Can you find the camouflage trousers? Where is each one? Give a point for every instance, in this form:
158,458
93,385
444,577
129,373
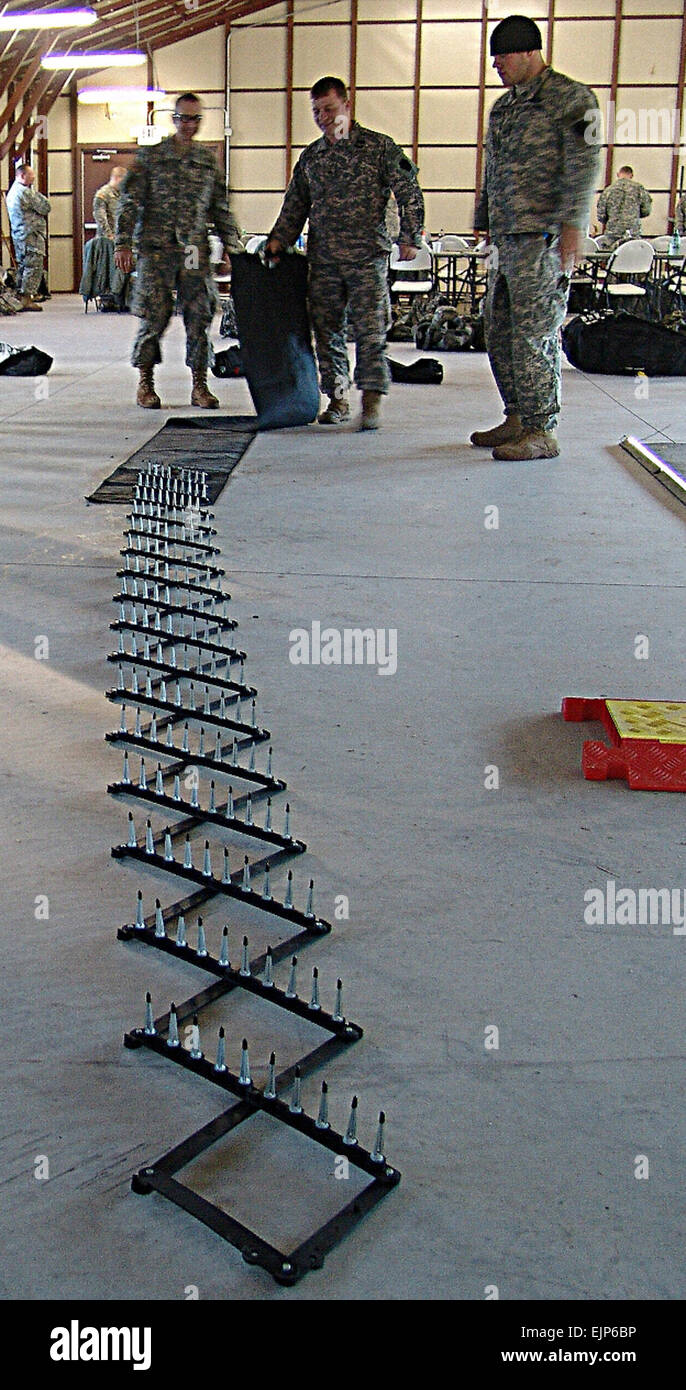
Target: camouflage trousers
355,297
524,309
30,256
159,276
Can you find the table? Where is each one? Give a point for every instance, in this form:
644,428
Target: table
469,280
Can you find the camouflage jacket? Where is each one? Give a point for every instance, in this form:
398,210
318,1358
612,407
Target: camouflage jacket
105,205
622,205
344,189
172,198
541,171
680,220
27,209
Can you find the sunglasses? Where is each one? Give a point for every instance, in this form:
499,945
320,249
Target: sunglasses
187,120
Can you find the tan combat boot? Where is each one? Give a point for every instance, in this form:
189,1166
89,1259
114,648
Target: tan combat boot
29,306
336,411
533,444
371,410
146,394
508,433
201,394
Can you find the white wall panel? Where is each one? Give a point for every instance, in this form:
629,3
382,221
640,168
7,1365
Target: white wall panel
193,64
386,9
390,112
318,52
61,266
256,212
258,58
450,54
59,173
386,54
258,169
60,221
649,50
258,118
447,168
447,116
59,128
449,212
584,51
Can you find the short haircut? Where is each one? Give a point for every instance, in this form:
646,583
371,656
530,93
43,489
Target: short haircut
21,168
187,96
626,169
329,84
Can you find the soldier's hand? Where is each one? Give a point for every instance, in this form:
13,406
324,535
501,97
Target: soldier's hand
274,248
406,252
570,247
123,259
224,265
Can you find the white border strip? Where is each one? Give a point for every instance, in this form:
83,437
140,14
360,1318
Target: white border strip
655,465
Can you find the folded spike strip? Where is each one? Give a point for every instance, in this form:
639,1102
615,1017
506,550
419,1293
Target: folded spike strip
188,676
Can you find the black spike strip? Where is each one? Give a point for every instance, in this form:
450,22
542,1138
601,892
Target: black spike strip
315,925
213,570
159,605
183,760
193,716
197,815
177,639
248,692
203,590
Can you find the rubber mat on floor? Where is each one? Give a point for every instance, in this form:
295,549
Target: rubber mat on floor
213,443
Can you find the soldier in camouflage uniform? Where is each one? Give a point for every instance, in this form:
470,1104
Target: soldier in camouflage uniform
106,202
621,207
342,183
680,218
170,199
535,203
28,209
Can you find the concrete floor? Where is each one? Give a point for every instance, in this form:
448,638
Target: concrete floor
466,904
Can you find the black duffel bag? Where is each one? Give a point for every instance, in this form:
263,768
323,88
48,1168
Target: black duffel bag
621,344
425,371
228,362
23,361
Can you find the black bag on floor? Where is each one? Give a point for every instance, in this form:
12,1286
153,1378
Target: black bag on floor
23,361
274,333
228,362
619,344
425,371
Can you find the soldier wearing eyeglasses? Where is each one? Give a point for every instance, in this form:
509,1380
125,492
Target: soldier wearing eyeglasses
172,197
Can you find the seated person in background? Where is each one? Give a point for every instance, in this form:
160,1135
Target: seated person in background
105,203
621,207
680,217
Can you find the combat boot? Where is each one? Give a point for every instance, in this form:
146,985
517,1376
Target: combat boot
29,306
533,444
146,394
336,411
201,394
509,432
371,410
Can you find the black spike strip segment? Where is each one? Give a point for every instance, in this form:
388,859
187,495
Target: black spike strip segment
270,784
193,716
212,571
199,814
247,692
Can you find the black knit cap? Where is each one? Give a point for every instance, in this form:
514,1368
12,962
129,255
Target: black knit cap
516,34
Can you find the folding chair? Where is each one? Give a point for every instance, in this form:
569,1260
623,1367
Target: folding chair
419,270
627,273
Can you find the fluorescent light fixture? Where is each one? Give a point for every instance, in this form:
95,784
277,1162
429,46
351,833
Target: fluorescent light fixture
94,96
47,19
94,60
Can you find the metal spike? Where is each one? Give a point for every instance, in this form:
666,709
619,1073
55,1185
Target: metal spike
234,753
295,1107
350,1136
212,805
120,679
140,919
322,1120
245,885
191,695
314,997
238,710
159,919
287,823
201,744
245,961
270,1088
168,850
181,930
149,1020
253,713
206,702
187,857
226,872
218,746
220,1064
266,893
149,842
152,732
142,779
248,809
126,775
377,1154
338,1006
268,976
159,783
269,763
185,745
292,990
132,842
224,952
230,813
310,899
176,793
206,861
172,1036
163,690
251,760
194,796
148,687
170,736
120,645
244,1077
159,656
122,722
177,697
268,817
195,1050
288,896
137,726
201,948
